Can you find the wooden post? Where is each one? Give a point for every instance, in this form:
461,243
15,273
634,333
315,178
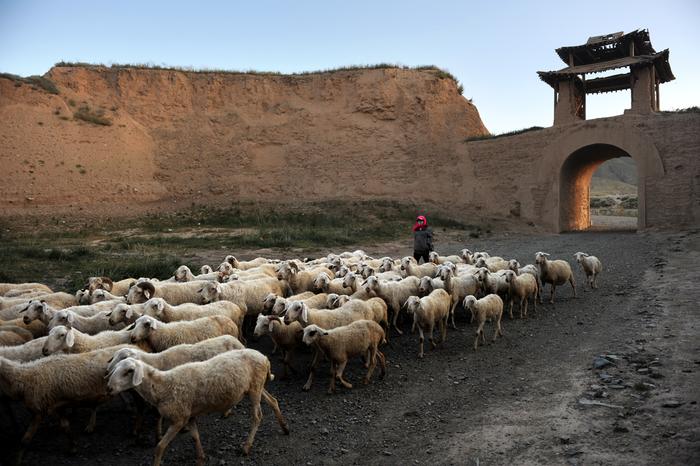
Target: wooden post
632,49
571,59
658,97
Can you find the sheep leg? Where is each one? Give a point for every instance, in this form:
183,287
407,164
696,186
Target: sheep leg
479,331
420,339
331,388
65,427
573,284
314,364
510,310
340,367
174,428
452,312
430,335
288,364
523,301
256,415
28,435
395,317
595,281
551,297
443,328
159,428
373,364
194,432
382,362
272,402
498,329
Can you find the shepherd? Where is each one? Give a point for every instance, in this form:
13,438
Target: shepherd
422,239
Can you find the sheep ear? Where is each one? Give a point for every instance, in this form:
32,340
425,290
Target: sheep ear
129,312
161,306
155,324
218,289
138,375
147,294
71,320
270,325
132,326
585,255
304,313
70,338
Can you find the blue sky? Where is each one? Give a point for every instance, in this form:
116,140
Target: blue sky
494,48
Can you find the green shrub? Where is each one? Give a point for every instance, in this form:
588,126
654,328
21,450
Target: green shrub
96,117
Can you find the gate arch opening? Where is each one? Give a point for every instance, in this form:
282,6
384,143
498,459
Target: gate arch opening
575,182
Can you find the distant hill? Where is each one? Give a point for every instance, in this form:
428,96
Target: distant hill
615,177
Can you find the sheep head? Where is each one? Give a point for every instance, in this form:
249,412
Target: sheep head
60,339
154,307
469,301
143,327
122,312
312,334
296,311
127,374
412,304
210,292
118,357
579,256
433,257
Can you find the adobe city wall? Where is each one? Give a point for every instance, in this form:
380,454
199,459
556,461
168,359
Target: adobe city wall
542,177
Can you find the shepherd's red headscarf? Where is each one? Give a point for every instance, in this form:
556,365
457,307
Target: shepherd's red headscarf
419,226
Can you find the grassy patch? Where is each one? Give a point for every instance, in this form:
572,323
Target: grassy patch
96,117
35,81
443,74
683,110
502,135
155,246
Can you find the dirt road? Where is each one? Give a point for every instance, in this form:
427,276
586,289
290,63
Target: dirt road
530,398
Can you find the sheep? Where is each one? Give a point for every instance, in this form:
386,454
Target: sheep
521,287
533,270
410,267
427,311
159,336
24,294
488,307
161,310
204,387
393,293
29,351
70,340
60,300
492,282
286,337
388,264
249,296
119,288
125,313
354,282
100,296
89,325
324,284
427,284
5,287
177,355
437,259
458,287
205,269
317,301
300,280
11,335
245,265
556,272
47,384
173,293
184,274
271,300
591,266
494,264
360,338
334,301
36,328
466,256
342,271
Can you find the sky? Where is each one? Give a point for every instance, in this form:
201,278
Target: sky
494,48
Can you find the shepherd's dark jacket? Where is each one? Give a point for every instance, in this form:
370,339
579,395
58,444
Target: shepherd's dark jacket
423,240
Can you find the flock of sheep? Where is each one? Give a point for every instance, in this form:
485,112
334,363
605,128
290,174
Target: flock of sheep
178,344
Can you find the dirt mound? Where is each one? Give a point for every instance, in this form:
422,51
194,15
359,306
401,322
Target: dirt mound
126,140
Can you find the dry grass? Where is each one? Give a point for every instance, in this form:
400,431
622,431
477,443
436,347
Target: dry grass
36,82
96,117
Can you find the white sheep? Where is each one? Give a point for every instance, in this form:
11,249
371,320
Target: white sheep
69,340
437,259
161,310
59,300
5,287
394,294
89,325
184,274
48,384
488,307
100,296
556,272
324,284
125,314
205,269
492,282
286,337
360,338
521,287
11,335
591,266
458,287
245,265
173,293
532,269
300,280
249,296
214,385
410,267
29,351
159,336
428,311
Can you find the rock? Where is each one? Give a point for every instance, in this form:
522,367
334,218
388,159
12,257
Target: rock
600,362
672,404
620,428
324,431
564,440
387,453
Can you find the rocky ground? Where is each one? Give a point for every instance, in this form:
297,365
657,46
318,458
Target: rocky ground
610,377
